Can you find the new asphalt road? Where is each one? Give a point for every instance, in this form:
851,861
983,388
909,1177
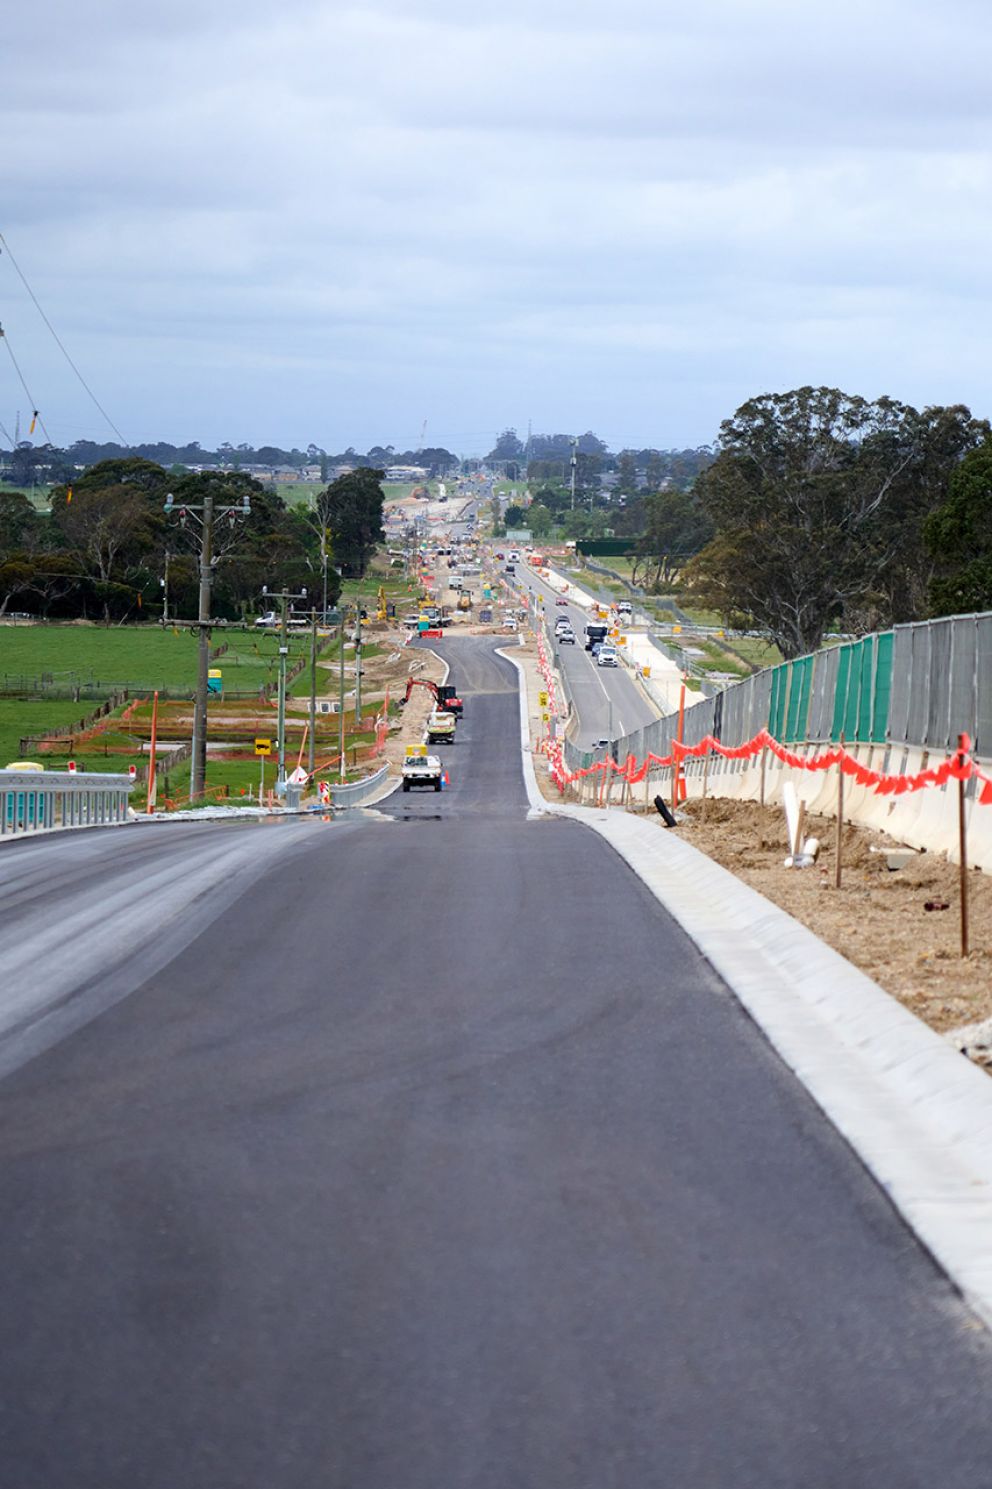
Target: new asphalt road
422,1151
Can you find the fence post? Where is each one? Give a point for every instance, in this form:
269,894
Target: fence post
839,870
764,763
964,744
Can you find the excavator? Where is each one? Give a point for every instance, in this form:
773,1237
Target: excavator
443,694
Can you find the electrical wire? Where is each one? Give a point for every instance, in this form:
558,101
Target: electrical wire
7,435
5,246
34,411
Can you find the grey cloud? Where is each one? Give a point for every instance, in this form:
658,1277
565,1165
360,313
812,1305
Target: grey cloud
648,211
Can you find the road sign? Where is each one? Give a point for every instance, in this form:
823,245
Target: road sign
263,747
542,699
298,777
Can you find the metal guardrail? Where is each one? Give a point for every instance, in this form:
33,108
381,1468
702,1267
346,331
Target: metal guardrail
40,801
358,791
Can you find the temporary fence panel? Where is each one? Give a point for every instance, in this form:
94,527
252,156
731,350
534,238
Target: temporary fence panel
963,696
777,705
983,686
939,691
799,694
866,691
919,694
821,716
838,722
901,683
883,687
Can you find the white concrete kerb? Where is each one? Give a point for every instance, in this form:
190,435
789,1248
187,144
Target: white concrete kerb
918,1114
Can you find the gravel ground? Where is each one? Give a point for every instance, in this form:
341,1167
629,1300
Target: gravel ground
878,919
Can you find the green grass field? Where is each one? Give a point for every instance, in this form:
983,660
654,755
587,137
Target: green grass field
102,658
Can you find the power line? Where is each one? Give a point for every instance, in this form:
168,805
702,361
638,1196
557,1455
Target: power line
27,392
58,341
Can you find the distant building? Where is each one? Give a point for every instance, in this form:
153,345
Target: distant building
407,473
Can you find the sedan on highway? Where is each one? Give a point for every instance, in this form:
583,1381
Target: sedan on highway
561,600
608,656
565,637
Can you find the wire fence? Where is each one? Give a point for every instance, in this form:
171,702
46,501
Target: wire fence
918,685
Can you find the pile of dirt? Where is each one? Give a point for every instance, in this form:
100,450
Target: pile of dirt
900,927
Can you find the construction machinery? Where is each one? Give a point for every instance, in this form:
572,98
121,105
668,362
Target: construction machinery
443,694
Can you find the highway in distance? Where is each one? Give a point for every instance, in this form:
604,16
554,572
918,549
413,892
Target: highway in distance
593,688
420,1149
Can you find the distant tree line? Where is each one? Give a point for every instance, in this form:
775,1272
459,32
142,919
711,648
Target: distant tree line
28,464
105,547
816,511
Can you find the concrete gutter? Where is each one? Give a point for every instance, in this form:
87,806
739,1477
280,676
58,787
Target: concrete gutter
917,1113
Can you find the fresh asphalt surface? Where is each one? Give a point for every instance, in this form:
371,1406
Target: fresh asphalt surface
437,1159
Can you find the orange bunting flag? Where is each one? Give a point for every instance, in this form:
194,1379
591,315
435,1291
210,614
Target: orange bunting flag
34,420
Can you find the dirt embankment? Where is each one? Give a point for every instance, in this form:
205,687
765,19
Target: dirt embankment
900,927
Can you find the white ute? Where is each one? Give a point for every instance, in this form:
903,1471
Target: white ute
421,769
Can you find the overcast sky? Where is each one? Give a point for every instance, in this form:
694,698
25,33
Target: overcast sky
304,222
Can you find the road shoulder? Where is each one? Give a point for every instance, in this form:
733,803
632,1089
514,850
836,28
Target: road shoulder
918,1114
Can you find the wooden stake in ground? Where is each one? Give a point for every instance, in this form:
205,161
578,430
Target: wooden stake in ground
839,870
764,759
964,746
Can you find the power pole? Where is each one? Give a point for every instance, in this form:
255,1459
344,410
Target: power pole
205,515
284,597
358,660
199,781
312,757
341,703
574,462
165,590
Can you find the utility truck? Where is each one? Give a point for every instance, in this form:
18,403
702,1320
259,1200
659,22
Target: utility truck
421,768
440,727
